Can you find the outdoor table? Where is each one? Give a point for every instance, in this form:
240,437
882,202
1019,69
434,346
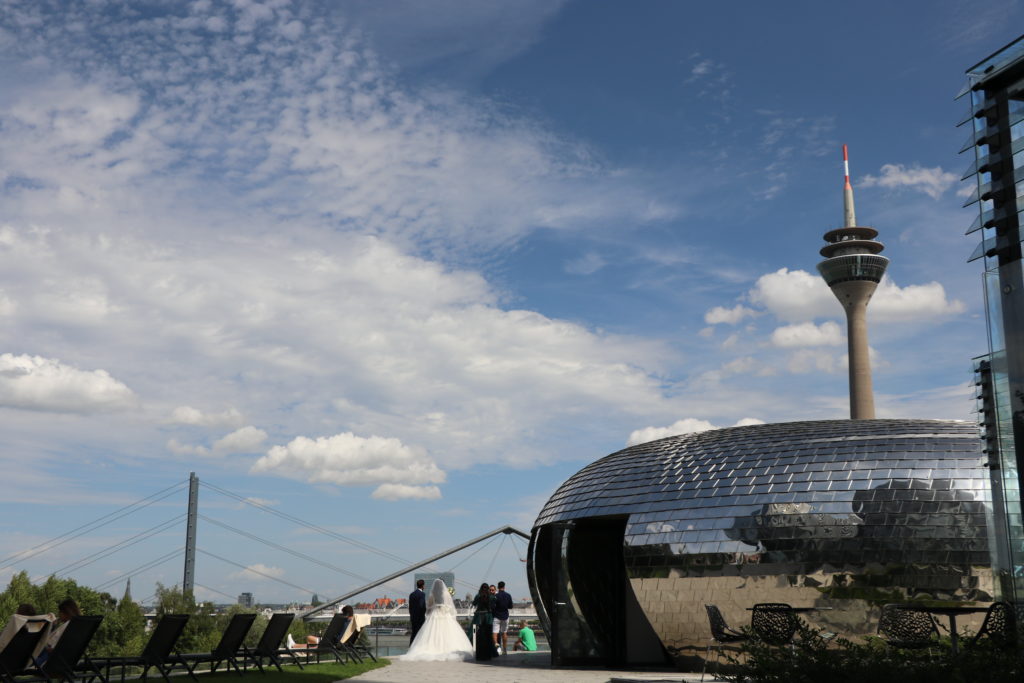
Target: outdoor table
801,610
951,612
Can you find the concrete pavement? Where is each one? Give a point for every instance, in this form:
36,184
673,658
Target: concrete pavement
518,667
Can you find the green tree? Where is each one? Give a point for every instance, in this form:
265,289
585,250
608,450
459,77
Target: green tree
201,632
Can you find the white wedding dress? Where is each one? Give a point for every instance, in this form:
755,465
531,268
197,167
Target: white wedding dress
440,638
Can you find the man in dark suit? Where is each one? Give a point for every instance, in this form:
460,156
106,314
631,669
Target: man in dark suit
417,609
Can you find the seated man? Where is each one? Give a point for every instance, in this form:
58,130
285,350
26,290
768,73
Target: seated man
526,640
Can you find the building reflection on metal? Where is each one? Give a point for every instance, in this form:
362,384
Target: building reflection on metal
848,514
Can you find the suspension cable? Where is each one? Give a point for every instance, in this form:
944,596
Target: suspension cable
111,549
255,571
295,553
56,541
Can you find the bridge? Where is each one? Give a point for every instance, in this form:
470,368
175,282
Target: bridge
164,552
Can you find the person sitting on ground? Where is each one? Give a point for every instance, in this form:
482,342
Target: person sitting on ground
526,640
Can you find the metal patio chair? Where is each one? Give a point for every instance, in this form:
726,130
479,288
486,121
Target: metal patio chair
999,627
721,635
330,642
228,650
353,643
774,623
907,627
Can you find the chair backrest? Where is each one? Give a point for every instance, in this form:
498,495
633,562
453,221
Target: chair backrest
719,629
1000,625
234,635
337,626
774,623
18,653
71,646
907,625
164,638
274,633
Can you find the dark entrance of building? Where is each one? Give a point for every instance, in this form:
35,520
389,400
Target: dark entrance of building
583,594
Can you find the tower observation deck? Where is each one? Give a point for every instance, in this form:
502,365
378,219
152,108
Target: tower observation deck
852,269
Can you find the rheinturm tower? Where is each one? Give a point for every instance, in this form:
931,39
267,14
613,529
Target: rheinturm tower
853,268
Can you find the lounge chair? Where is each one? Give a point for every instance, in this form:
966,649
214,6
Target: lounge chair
352,640
16,657
269,647
159,651
228,650
331,641
68,661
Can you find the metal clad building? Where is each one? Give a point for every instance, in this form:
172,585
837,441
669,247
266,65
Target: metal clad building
848,514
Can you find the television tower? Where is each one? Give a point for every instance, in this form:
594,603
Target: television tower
852,268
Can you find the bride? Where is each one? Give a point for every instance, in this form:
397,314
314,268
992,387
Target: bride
440,638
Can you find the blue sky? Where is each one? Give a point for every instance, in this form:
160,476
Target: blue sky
400,269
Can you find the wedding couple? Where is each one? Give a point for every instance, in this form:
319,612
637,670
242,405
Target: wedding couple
437,635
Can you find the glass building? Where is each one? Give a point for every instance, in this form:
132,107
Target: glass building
995,117
845,514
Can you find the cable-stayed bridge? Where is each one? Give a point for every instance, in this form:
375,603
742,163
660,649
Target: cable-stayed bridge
189,552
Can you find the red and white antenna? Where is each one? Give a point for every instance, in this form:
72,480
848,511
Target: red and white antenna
849,217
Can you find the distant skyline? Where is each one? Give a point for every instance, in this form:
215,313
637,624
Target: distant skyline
400,268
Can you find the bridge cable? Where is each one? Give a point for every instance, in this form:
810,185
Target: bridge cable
141,568
116,547
214,590
295,553
493,559
308,525
256,571
87,527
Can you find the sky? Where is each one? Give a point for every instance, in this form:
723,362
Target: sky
398,269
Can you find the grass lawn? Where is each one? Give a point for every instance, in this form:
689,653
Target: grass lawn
311,673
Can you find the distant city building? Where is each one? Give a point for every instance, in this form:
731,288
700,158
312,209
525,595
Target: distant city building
428,578
995,116
246,600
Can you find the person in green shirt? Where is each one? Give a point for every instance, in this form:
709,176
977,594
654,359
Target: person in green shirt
526,640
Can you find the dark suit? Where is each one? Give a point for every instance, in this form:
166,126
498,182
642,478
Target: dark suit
417,611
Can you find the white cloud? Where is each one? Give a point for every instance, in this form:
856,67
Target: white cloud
728,316
406,492
587,264
794,296
688,425
257,572
815,360
932,181
245,440
891,303
808,334
47,384
347,459
797,296
188,415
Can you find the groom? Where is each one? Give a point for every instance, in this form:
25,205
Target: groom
417,609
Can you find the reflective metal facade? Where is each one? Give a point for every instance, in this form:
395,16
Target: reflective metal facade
848,514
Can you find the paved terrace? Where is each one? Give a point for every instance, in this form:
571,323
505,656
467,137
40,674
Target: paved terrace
518,667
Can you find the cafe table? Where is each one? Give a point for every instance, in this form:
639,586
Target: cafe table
952,613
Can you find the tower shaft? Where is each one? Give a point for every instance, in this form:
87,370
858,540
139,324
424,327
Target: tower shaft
854,296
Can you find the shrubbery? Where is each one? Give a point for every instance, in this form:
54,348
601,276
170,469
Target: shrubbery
123,631
815,660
